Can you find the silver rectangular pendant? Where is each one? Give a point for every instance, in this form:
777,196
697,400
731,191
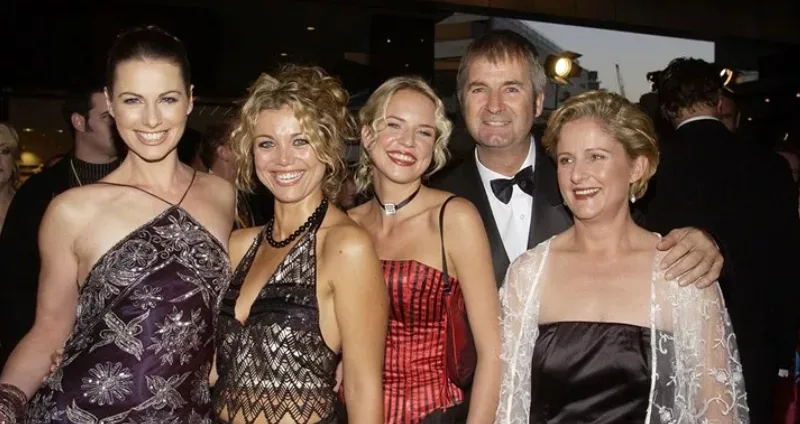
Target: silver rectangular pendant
389,209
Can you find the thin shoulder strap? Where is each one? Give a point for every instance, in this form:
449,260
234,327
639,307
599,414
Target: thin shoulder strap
446,276
137,188
194,174
191,183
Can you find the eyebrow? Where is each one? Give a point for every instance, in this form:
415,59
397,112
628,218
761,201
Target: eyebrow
128,93
270,136
403,120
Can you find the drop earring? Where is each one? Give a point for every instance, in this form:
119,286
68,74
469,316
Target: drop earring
633,198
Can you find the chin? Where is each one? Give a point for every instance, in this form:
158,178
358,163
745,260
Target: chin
152,153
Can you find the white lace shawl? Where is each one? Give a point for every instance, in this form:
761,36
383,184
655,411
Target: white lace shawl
696,376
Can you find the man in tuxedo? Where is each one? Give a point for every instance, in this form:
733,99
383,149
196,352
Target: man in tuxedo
745,196
512,181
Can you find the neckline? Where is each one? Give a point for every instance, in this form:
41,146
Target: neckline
127,237
420,263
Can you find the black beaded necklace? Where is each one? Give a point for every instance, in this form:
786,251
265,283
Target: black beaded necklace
312,220
392,208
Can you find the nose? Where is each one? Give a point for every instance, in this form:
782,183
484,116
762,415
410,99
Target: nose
495,102
407,138
578,173
284,156
152,116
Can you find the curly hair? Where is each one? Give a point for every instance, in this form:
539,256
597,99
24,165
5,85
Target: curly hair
318,101
620,118
373,116
10,134
687,83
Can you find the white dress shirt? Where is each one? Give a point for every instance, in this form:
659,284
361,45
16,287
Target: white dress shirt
697,118
513,220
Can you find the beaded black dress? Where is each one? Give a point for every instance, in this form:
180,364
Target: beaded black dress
142,346
277,365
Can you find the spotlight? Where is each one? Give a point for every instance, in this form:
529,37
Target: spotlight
562,67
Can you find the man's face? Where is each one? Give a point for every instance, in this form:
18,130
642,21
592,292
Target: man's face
97,129
499,103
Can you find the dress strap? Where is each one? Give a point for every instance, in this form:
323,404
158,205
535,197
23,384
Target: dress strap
445,276
194,174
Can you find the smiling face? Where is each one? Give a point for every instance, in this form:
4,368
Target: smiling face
499,103
150,104
594,171
285,162
402,149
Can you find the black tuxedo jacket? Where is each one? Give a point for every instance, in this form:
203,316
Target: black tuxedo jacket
548,217
743,195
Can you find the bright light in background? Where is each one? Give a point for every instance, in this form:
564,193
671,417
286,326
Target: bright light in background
636,54
563,66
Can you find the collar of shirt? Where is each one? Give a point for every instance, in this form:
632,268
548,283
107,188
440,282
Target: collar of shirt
487,175
697,118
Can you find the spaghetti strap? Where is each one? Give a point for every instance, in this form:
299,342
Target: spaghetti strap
191,183
194,174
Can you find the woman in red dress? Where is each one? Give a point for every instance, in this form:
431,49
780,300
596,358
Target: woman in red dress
429,242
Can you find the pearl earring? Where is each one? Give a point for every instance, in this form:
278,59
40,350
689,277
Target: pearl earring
633,198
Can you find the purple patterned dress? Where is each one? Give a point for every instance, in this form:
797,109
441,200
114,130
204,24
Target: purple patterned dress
142,346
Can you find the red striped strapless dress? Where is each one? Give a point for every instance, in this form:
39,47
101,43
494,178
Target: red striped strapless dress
415,379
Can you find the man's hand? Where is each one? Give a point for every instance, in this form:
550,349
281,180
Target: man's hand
692,257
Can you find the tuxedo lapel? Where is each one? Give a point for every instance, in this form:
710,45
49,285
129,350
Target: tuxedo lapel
475,193
549,215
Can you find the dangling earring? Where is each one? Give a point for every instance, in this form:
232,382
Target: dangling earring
633,198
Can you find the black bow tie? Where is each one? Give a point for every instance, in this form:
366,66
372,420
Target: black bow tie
503,188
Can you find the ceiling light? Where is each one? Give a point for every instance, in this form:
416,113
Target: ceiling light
766,99
388,40
59,131
310,28
27,130
284,54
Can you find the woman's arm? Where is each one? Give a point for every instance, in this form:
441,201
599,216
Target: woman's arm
362,314
467,247
721,396
57,300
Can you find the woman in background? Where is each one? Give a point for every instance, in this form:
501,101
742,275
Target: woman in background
9,168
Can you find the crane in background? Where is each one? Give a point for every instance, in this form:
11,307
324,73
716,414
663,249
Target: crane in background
619,82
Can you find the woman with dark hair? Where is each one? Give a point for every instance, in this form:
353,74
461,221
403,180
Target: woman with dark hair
132,267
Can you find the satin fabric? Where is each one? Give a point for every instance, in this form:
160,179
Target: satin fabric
589,372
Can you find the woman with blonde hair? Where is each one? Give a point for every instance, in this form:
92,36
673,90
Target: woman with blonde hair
9,168
432,246
592,331
307,286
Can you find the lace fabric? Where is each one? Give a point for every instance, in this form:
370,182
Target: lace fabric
696,375
276,364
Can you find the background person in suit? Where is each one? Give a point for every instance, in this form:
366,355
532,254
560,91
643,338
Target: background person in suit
745,196
511,180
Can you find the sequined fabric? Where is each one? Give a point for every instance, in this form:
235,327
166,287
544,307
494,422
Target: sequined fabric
277,364
415,381
141,349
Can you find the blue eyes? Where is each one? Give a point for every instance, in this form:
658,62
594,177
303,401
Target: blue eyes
298,142
133,100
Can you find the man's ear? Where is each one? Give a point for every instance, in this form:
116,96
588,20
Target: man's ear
78,122
224,152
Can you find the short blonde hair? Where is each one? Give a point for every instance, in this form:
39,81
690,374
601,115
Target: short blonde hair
373,116
319,102
623,120
8,132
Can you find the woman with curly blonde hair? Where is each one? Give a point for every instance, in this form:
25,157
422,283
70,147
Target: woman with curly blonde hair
431,245
9,168
307,287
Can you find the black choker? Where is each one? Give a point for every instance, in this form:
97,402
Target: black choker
314,219
392,208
